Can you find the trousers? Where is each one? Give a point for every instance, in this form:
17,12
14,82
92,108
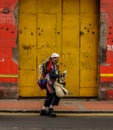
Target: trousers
51,99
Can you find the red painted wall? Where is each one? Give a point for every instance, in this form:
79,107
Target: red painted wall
107,10
8,37
8,42
106,83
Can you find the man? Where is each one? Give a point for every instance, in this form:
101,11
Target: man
51,75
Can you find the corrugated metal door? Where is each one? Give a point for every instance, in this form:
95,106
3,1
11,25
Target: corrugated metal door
69,27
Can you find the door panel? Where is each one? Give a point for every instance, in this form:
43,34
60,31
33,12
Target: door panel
27,48
27,77
88,48
71,6
27,6
49,6
46,38
27,41
28,91
48,31
89,7
70,45
27,83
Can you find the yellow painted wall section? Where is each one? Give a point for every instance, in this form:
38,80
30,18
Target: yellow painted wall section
27,48
39,36
70,44
48,31
68,27
88,48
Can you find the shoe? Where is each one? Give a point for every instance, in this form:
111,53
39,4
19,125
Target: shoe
51,113
43,113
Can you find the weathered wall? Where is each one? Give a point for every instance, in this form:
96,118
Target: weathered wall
9,49
106,50
8,45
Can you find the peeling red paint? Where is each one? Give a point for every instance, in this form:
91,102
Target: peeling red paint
8,36
7,17
109,94
107,6
107,10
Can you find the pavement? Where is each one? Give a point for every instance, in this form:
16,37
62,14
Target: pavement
65,105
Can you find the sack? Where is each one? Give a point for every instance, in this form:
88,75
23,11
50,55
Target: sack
43,69
60,90
42,83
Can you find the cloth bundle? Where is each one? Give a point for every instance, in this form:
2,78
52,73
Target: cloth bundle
61,91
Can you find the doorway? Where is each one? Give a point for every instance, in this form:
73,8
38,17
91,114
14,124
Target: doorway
68,27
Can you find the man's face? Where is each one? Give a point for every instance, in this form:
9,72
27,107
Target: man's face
55,59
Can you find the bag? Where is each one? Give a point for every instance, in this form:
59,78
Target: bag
42,83
45,67
43,70
60,90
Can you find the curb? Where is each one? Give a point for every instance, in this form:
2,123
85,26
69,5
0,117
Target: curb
63,112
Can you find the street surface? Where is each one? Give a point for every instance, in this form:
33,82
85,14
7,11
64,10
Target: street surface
61,122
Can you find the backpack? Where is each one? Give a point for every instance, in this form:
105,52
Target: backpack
44,68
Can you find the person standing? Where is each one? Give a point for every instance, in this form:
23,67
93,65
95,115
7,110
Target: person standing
51,98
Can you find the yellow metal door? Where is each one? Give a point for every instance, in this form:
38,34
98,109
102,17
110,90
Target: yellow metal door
79,46
48,31
70,44
88,47
27,48
68,27
39,36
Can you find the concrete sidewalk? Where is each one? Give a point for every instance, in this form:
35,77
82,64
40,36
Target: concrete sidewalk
65,106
